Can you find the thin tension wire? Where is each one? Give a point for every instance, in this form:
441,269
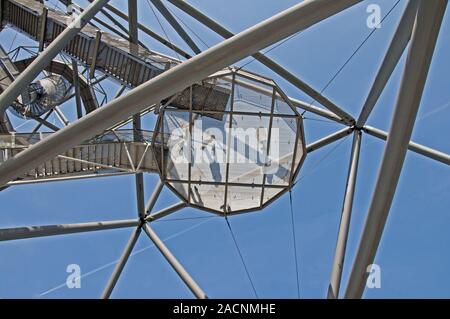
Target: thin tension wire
294,239
242,258
355,52
189,28
320,161
271,49
162,27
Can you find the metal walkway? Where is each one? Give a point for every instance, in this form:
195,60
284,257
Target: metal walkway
131,64
113,152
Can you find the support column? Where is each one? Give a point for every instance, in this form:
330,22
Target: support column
94,53
137,124
133,21
65,229
176,26
76,84
43,28
344,225
423,42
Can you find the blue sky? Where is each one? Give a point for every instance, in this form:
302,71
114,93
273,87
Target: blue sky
412,255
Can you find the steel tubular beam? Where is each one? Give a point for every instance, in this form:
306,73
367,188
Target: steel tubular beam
121,263
275,67
393,54
166,211
423,41
46,56
134,41
344,225
76,85
184,275
329,139
1,14
414,147
43,28
139,181
94,54
176,26
133,21
55,230
280,26
154,197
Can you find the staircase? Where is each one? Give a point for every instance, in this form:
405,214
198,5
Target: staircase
108,154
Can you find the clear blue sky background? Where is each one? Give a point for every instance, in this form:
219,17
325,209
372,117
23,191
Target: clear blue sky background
413,254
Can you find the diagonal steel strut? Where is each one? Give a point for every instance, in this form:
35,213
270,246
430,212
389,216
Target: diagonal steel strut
184,275
393,54
121,263
425,34
344,225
